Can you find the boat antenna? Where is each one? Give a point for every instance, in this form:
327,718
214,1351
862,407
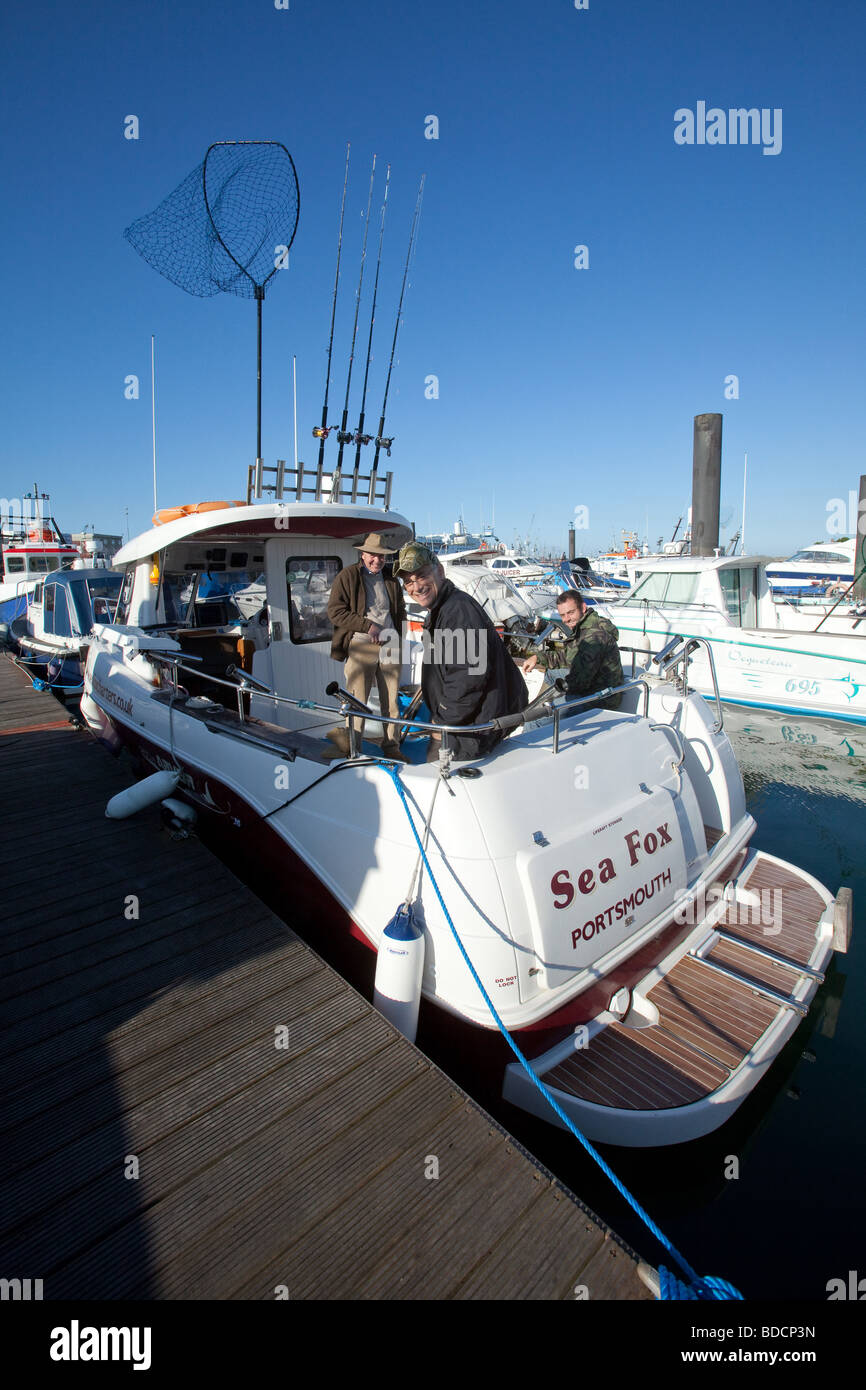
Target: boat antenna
381,442
343,436
322,432
743,527
360,437
153,415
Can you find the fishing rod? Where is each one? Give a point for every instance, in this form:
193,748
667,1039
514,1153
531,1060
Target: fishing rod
321,432
343,435
381,442
361,437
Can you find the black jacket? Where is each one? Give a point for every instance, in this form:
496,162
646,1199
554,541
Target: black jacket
468,676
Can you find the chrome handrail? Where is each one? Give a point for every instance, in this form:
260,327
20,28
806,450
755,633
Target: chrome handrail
249,685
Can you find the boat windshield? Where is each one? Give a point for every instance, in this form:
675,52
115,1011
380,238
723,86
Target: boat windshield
94,599
664,586
821,557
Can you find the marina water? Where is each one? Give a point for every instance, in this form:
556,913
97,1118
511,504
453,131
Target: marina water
774,1200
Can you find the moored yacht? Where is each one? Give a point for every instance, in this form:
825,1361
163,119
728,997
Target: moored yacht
766,652
596,866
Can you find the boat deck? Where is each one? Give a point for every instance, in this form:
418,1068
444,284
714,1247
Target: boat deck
708,1022
166,1139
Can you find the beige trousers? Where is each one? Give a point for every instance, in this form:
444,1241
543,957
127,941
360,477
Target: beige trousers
363,666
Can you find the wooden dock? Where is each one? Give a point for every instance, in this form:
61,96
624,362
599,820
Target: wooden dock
195,1106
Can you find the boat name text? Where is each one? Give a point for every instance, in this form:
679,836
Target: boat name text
561,885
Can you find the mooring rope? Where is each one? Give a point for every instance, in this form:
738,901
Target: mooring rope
709,1287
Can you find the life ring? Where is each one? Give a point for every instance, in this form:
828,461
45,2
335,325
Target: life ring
191,509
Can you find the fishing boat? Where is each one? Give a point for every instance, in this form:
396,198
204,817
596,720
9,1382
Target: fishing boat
31,546
53,634
596,868
767,653
519,568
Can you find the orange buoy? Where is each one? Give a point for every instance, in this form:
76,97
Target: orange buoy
40,533
191,509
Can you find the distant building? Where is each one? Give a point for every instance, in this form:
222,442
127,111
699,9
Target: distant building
102,545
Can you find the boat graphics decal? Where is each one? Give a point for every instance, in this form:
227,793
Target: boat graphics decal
112,698
189,782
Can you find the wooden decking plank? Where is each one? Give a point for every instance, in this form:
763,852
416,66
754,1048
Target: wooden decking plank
399,1197
142,1054
325,1188
91,916
203,1235
432,1243
758,968
254,928
134,978
86,967
174,1130
177,1064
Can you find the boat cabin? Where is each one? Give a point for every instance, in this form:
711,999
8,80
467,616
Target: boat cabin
180,578
68,602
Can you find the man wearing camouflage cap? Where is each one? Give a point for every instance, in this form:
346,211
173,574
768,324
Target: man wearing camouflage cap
468,676
591,652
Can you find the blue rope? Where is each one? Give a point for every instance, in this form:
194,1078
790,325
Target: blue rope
697,1288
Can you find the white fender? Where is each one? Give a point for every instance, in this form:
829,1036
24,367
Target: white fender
141,794
399,967
180,810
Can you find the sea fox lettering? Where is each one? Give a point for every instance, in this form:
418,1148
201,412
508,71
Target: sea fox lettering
561,885
651,842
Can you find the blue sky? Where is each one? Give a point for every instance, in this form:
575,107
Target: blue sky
558,387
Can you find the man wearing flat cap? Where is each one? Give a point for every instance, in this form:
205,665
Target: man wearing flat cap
468,676
366,609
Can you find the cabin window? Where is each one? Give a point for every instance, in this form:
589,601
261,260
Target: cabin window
650,589
308,581
14,564
681,588
56,611
665,586
739,591
122,613
176,592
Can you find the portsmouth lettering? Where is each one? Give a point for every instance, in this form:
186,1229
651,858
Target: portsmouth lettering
617,911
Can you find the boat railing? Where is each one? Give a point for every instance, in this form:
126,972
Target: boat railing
301,483
243,685
678,652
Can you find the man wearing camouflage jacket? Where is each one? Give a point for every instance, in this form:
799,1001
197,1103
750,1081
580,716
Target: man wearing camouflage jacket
591,652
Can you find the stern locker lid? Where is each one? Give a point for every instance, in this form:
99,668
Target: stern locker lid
594,887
